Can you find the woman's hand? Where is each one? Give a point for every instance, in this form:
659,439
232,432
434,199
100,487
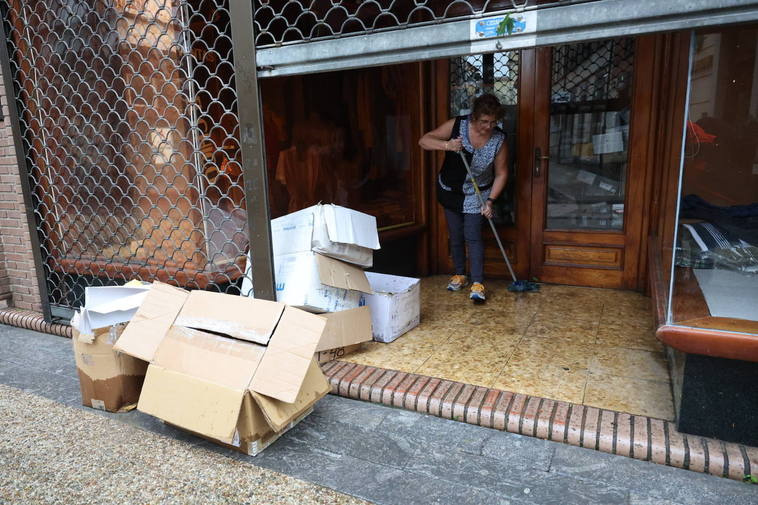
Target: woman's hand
454,144
487,210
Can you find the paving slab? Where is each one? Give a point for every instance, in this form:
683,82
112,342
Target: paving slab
346,447
651,481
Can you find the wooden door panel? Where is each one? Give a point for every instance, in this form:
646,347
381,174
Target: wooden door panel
585,256
584,237
582,276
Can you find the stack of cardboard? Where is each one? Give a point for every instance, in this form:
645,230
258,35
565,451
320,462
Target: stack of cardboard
319,256
235,370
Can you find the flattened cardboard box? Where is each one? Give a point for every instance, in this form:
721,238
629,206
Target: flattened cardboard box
344,333
345,328
108,380
220,387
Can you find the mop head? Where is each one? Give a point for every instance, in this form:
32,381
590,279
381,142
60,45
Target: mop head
523,286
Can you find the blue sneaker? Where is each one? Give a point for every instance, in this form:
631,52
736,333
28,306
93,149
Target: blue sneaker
457,282
477,293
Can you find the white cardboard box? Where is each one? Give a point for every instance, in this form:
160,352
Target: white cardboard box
317,283
331,230
395,305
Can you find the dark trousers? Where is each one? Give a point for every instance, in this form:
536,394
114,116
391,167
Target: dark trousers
465,230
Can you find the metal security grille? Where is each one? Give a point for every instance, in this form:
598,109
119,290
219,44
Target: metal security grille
287,21
590,114
470,76
128,114
592,71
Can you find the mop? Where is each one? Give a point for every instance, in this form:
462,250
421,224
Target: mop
516,286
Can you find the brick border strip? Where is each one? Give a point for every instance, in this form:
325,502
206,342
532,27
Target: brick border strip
639,437
32,321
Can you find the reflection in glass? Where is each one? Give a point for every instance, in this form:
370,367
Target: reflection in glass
716,261
347,138
589,134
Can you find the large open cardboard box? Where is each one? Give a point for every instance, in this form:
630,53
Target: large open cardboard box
230,368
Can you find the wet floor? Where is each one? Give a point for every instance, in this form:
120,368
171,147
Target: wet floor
582,345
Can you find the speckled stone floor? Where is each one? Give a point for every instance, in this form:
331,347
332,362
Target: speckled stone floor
51,453
589,346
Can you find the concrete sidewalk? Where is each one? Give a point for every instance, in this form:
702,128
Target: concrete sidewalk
52,450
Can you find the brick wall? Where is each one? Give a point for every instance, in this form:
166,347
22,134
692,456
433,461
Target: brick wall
18,280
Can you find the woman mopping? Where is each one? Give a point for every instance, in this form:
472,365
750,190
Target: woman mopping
476,133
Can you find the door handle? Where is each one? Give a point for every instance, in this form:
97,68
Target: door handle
538,159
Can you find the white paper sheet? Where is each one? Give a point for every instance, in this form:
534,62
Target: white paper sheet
728,293
108,305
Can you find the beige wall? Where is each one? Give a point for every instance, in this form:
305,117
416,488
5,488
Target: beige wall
18,280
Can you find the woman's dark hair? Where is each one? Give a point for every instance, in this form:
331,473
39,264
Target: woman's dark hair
487,105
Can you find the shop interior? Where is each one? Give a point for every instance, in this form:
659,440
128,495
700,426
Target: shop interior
588,337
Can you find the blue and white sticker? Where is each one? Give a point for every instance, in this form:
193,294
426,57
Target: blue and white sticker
486,28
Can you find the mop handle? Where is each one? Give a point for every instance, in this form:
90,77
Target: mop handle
489,220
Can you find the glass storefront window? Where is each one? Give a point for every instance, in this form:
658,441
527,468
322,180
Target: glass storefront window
715,274
348,138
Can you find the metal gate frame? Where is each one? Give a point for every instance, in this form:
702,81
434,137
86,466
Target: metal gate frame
24,172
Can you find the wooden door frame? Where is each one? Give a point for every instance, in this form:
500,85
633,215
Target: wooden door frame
630,243
515,238
620,250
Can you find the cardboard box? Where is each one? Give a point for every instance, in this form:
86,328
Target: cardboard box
227,389
345,328
331,230
344,333
338,353
108,380
317,283
254,447
395,305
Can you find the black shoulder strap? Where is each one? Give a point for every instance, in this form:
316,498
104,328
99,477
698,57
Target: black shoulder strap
456,128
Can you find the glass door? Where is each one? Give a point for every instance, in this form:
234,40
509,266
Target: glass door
509,75
581,162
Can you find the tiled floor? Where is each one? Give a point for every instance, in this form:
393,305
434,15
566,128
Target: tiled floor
581,345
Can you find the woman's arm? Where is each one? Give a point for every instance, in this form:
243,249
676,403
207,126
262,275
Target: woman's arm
501,177
437,139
